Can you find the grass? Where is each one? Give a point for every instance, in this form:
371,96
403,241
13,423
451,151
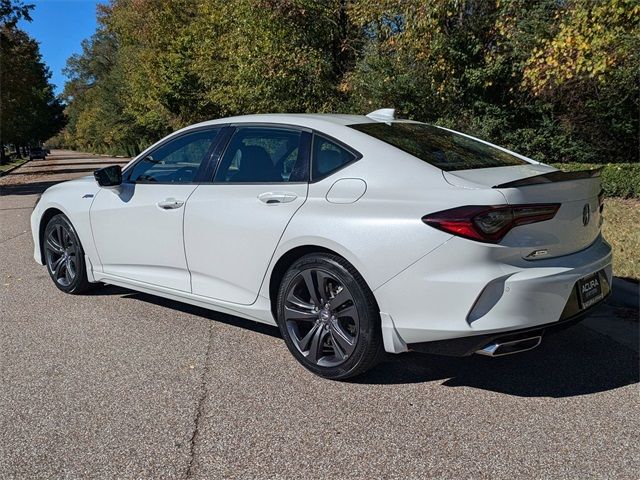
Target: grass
13,163
622,230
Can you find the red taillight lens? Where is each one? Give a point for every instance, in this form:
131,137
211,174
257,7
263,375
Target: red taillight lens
489,224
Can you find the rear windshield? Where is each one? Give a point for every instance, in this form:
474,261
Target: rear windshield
443,149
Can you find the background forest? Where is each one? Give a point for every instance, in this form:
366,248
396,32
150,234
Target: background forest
555,80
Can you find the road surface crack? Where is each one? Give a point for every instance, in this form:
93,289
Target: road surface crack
201,404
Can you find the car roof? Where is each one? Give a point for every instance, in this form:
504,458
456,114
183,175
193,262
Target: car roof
310,120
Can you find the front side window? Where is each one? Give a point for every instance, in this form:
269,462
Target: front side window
177,161
328,156
441,148
263,155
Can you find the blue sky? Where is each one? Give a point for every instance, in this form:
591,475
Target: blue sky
60,26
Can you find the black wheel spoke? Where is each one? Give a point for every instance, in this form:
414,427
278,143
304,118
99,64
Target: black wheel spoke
341,339
291,313
60,235
297,302
55,266
67,273
71,267
53,245
340,299
349,312
305,342
310,280
315,349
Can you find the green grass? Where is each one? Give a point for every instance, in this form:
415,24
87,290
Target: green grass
622,230
14,163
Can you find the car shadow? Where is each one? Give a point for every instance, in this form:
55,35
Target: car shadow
575,361
26,188
191,309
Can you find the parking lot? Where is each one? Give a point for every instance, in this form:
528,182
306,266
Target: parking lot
121,384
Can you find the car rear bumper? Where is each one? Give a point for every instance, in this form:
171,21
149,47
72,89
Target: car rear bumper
466,289
464,346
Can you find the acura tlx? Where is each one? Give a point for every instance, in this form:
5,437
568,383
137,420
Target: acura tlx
355,235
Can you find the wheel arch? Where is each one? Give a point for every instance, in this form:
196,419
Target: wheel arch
289,258
47,215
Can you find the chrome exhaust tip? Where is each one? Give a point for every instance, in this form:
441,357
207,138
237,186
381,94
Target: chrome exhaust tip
499,348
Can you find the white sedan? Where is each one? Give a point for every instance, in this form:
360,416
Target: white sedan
355,235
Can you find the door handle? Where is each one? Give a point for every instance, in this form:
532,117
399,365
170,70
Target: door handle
277,197
170,204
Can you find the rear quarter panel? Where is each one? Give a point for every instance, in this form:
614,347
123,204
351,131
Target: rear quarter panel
382,233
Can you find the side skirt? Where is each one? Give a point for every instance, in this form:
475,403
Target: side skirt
260,311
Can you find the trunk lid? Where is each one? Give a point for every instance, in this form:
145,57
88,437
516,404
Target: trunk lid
575,226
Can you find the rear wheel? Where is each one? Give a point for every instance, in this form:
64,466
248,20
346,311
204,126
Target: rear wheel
64,256
328,317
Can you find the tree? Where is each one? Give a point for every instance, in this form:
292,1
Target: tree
29,111
511,71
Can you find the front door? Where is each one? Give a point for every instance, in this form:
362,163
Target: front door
138,228
233,226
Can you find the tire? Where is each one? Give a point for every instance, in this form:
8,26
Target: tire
64,256
333,331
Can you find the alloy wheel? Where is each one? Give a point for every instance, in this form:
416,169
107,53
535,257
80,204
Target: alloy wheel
62,250
321,317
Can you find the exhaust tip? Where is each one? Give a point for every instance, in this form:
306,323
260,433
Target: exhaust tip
500,348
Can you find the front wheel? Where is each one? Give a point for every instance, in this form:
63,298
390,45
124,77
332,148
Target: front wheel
328,317
64,256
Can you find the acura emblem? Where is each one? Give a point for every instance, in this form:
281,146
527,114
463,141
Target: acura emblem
586,215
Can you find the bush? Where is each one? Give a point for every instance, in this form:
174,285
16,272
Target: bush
618,179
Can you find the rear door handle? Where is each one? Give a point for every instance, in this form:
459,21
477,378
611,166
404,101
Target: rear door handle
277,197
170,204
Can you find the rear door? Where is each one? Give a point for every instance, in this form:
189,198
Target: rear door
233,225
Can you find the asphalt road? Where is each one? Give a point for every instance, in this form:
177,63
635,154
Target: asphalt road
121,384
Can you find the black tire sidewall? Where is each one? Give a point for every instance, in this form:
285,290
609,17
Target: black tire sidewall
80,283
369,338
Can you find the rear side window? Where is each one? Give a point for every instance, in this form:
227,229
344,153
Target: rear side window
263,155
443,149
328,157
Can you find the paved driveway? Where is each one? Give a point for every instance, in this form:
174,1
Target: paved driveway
121,384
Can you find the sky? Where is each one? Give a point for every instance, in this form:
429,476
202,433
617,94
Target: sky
60,26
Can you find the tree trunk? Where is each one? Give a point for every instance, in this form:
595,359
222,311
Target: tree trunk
3,157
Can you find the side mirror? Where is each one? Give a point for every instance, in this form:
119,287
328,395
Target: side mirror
108,176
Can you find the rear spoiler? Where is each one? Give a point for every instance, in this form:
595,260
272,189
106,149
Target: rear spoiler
552,177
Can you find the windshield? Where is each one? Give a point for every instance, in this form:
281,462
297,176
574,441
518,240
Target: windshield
441,148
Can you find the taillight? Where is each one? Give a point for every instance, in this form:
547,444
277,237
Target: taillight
489,224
